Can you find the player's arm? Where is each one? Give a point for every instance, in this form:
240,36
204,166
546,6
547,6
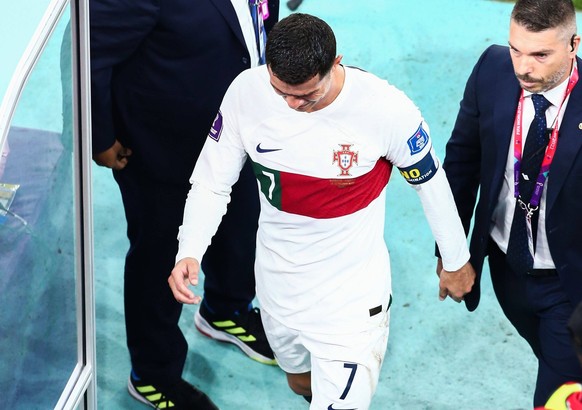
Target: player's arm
203,212
216,171
457,277
418,164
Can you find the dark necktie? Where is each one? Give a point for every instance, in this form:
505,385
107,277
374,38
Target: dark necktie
518,255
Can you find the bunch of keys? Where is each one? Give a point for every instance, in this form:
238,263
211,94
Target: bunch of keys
528,209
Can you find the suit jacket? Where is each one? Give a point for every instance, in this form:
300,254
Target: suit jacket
159,71
475,162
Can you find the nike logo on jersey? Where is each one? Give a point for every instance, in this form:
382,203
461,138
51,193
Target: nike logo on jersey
264,150
333,408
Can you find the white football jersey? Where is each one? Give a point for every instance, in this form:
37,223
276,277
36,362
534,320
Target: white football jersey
321,261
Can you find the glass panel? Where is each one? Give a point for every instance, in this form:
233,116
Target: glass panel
18,21
38,329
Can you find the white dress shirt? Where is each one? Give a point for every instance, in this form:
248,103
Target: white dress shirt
246,24
503,213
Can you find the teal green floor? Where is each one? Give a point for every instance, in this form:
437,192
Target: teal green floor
439,356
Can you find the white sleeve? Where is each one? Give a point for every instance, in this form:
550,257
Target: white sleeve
442,216
411,150
202,215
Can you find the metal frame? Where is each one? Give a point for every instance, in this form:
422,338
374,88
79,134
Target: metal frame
81,389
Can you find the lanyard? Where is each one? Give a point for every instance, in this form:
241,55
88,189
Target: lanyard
549,155
259,13
263,5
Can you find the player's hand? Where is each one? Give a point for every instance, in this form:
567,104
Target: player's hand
115,157
185,273
455,284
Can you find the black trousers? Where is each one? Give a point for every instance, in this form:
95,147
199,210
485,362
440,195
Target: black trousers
539,309
154,211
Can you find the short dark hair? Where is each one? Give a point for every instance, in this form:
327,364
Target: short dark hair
299,47
540,15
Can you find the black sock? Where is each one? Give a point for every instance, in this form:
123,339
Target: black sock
307,398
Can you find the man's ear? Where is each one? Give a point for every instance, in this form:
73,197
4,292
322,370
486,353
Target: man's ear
574,43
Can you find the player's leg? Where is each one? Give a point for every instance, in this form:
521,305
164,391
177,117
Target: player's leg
291,355
300,383
345,368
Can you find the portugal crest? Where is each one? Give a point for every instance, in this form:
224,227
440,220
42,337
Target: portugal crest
345,159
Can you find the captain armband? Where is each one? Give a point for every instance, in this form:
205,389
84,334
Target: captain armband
420,172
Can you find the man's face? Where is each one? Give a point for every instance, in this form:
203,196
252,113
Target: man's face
541,60
310,96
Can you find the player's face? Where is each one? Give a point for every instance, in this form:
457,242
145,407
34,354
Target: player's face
541,60
306,97
314,94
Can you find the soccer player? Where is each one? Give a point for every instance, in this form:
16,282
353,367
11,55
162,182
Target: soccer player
323,139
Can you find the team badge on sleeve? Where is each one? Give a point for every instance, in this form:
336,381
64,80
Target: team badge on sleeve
418,141
420,172
216,128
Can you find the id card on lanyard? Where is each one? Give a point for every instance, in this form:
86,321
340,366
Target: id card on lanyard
534,202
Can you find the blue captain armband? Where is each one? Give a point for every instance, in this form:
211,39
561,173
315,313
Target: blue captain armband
420,172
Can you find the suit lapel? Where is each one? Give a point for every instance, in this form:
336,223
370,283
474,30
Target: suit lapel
227,10
569,144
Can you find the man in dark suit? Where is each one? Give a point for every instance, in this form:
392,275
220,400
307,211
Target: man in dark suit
532,238
159,72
